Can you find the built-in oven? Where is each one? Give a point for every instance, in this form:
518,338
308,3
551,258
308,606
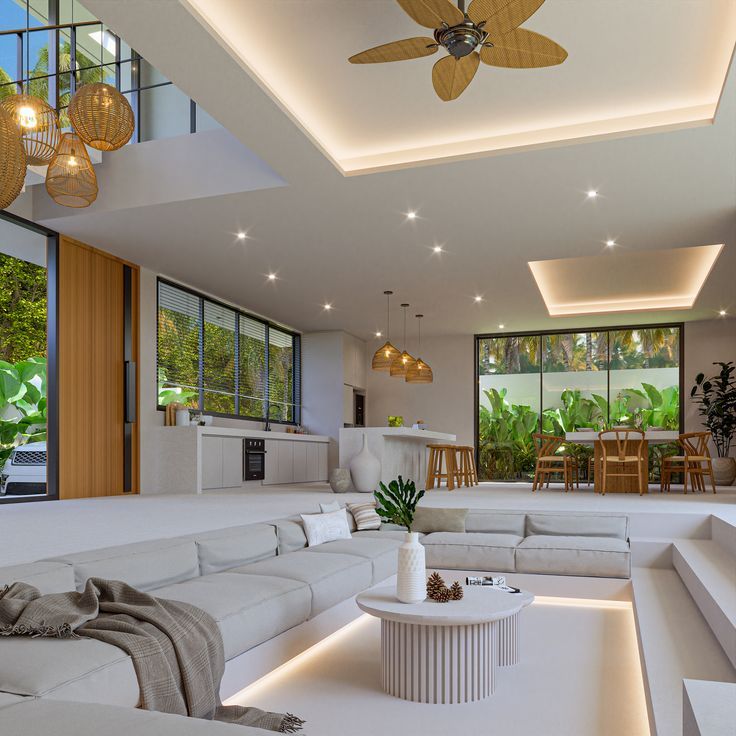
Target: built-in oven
254,459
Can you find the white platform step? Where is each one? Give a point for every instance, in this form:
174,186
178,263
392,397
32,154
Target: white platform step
675,644
709,708
724,532
708,570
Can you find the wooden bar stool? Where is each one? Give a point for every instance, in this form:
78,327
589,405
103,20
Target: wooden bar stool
441,466
466,473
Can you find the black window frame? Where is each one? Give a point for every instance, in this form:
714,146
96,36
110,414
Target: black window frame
541,334
296,358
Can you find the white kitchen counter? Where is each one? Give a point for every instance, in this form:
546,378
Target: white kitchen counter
254,433
401,450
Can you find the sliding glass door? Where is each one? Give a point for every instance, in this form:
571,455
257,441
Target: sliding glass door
558,382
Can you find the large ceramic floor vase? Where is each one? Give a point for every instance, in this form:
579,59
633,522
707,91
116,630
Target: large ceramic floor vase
724,470
365,469
411,575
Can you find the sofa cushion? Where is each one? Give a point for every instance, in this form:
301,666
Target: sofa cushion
332,578
85,670
290,533
496,522
399,536
471,551
249,609
48,577
427,520
584,525
144,565
601,557
239,545
43,717
381,552
9,699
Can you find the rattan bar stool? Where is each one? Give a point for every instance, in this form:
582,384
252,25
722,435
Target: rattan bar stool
441,466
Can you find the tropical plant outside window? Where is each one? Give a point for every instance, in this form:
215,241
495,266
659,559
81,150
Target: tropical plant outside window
222,361
562,382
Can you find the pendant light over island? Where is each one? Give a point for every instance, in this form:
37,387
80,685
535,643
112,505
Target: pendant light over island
387,353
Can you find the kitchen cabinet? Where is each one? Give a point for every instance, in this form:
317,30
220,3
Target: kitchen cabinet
300,462
347,405
353,361
285,464
222,462
272,462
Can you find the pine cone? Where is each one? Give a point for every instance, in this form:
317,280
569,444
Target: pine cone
456,591
443,596
434,585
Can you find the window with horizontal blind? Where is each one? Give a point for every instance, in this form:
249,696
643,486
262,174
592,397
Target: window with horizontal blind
223,361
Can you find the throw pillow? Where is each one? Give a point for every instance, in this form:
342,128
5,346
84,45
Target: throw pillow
321,528
365,516
428,520
325,508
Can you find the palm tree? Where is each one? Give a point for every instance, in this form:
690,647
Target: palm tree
7,87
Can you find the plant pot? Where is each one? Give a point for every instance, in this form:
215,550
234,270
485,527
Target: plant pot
411,576
365,469
724,470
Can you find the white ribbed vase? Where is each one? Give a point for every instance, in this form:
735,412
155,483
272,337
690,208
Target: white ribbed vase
411,576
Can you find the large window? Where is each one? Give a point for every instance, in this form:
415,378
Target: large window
223,361
560,382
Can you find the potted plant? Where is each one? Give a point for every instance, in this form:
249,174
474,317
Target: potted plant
396,503
716,401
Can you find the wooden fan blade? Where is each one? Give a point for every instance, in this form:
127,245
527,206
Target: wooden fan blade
450,76
432,13
522,49
408,48
502,16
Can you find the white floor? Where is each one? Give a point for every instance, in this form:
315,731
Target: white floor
37,530
580,676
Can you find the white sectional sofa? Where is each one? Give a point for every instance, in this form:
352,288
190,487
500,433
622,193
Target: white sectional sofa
258,581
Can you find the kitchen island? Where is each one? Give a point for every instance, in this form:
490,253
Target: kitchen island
400,450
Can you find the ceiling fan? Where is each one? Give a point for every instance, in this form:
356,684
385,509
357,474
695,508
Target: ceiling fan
492,26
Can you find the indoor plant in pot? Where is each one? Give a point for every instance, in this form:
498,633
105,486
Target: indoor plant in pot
396,504
716,401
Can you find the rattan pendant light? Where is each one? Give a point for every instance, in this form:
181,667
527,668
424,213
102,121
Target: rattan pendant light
12,160
70,178
38,126
387,353
101,116
419,371
404,361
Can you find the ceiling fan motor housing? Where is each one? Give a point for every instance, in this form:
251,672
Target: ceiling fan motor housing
462,39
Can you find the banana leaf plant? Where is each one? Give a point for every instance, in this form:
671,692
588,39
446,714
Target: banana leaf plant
397,502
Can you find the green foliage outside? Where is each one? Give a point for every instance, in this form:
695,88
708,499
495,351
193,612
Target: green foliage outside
397,502
505,443
178,360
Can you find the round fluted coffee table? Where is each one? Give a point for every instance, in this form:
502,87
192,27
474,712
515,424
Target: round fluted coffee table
443,652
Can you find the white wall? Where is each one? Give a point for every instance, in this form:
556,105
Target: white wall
706,342
445,405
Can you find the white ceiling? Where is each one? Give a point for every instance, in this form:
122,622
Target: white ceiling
632,65
343,240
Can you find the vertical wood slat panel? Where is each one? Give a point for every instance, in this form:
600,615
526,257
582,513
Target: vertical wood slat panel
91,413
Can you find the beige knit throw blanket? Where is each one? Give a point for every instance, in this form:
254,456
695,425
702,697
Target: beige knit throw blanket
176,648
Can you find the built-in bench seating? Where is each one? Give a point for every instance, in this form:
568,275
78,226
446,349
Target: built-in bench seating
261,580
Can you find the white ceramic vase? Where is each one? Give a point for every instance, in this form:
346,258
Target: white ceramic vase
365,469
411,577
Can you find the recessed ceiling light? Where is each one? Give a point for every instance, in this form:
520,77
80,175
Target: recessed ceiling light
327,307
610,243
378,334
411,215
500,327
478,299
592,193
242,235
437,249
722,312
272,277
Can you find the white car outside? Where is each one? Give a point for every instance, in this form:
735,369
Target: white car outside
24,472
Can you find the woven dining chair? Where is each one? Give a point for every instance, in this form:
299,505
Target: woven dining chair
549,462
629,444
694,462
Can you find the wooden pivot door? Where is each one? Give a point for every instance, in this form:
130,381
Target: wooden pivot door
98,448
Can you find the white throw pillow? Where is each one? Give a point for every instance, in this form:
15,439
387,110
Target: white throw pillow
365,516
321,528
325,508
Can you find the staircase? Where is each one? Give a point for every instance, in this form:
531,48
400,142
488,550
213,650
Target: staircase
684,594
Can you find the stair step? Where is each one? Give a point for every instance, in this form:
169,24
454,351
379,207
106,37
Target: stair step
675,644
724,532
708,570
709,708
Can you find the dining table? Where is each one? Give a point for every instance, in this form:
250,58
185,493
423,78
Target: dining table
619,484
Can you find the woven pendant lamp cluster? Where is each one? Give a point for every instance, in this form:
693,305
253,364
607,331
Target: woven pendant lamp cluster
419,371
12,160
101,116
387,353
70,178
37,124
402,362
